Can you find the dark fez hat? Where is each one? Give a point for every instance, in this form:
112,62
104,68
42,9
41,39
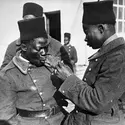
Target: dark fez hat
32,28
67,35
98,12
32,9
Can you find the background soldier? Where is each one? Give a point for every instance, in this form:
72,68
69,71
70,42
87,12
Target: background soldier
71,50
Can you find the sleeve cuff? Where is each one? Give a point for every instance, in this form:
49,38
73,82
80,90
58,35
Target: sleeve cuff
68,84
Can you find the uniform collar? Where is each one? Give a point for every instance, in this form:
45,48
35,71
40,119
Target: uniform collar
110,39
21,63
25,60
108,47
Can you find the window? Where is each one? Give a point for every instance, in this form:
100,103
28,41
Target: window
119,10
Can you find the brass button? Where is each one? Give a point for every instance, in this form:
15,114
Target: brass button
46,117
41,93
84,79
90,69
63,91
44,104
96,60
34,80
33,88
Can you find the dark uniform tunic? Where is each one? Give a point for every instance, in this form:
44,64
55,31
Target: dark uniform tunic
96,97
24,86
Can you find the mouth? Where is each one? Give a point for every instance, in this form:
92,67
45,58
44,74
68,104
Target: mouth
88,44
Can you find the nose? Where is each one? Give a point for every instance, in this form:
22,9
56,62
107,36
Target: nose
86,39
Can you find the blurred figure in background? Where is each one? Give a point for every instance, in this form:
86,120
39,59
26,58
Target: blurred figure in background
71,50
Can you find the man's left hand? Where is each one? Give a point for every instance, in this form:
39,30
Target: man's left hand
52,61
63,71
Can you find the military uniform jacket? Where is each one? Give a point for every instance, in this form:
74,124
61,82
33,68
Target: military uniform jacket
27,87
103,84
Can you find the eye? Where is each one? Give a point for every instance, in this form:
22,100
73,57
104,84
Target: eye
86,31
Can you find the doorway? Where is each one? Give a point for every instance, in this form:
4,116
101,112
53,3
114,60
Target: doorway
53,24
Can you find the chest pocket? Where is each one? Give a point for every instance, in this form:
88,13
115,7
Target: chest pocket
92,71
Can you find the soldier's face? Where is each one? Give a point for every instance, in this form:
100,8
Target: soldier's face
36,51
94,36
66,40
30,16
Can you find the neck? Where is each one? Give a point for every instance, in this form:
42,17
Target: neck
23,58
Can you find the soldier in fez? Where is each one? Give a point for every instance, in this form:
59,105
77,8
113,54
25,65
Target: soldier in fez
97,96
71,50
26,89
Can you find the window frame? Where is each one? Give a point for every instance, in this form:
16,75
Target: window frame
120,29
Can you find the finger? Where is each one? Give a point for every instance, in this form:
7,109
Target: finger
55,71
58,68
60,64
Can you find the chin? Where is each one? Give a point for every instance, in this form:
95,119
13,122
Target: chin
89,45
94,48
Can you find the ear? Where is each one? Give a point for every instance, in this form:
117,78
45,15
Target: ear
101,28
23,47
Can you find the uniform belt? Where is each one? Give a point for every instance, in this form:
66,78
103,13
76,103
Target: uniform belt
41,113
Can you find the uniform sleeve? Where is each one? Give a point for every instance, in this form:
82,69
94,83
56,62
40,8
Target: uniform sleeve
108,87
65,57
74,57
9,54
7,99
